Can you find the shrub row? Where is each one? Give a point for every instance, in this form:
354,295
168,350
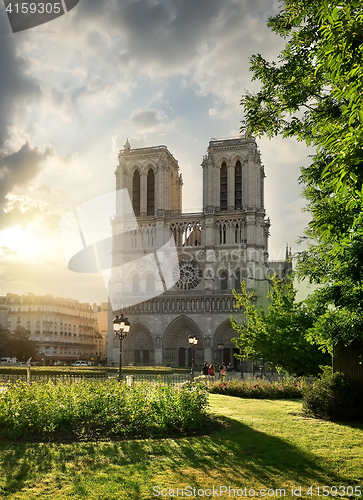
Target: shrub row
100,408
261,389
334,397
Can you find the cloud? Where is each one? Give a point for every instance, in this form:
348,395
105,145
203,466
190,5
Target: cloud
17,169
25,209
17,87
150,119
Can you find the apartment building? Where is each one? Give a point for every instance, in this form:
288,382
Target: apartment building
64,330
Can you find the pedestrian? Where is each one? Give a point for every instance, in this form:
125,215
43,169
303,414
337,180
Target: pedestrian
204,372
211,373
223,371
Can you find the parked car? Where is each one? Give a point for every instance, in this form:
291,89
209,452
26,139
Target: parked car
8,360
80,363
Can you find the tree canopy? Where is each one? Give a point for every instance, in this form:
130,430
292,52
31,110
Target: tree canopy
278,336
314,92
19,345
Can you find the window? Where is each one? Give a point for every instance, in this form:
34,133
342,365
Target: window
238,233
237,280
223,183
224,281
150,192
150,283
222,235
136,192
135,284
238,185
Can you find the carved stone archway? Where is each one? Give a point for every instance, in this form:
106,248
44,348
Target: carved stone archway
176,348
138,346
225,333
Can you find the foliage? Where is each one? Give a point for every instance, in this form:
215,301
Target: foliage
289,388
340,294
100,408
333,397
315,94
19,344
278,336
4,333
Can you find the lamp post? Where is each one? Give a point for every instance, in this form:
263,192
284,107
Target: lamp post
260,365
193,341
121,327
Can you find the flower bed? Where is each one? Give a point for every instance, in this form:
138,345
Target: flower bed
261,389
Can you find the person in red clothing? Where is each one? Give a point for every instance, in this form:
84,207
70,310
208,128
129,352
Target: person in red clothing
211,373
223,371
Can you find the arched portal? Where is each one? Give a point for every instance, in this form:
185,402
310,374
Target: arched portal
138,347
176,348
225,333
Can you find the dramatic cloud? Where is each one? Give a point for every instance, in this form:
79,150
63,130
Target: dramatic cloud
17,87
20,167
17,169
155,71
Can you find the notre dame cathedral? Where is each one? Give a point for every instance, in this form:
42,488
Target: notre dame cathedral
188,289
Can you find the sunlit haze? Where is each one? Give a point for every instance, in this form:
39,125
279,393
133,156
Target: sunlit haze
158,73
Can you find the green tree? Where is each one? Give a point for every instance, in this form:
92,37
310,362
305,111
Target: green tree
315,93
19,344
278,336
4,334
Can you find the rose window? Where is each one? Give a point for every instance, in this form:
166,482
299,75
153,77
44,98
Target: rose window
189,274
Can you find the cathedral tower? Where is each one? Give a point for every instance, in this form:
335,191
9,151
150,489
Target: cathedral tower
152,178
216,250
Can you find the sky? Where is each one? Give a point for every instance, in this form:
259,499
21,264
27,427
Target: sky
158,72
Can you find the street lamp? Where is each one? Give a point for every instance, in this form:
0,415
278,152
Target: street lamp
121,327
193,341
260,365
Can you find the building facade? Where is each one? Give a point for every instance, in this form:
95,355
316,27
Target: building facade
101,326
216,250
63,329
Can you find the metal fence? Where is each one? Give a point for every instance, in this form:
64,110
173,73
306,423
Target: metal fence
174,379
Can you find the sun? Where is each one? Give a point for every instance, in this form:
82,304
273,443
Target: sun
23,242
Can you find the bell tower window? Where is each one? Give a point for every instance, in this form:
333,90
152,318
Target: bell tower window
150,192
238,185
223,185
136,192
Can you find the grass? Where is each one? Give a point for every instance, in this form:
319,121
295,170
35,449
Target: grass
93,370
263,444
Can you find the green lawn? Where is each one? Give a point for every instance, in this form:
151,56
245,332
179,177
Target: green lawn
264,444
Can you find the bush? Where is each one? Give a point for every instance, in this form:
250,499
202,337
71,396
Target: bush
261,389
105,408
333,397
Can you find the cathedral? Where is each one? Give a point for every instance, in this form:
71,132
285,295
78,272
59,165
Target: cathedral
187,289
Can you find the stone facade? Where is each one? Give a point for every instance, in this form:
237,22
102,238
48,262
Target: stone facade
217,249
63,329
